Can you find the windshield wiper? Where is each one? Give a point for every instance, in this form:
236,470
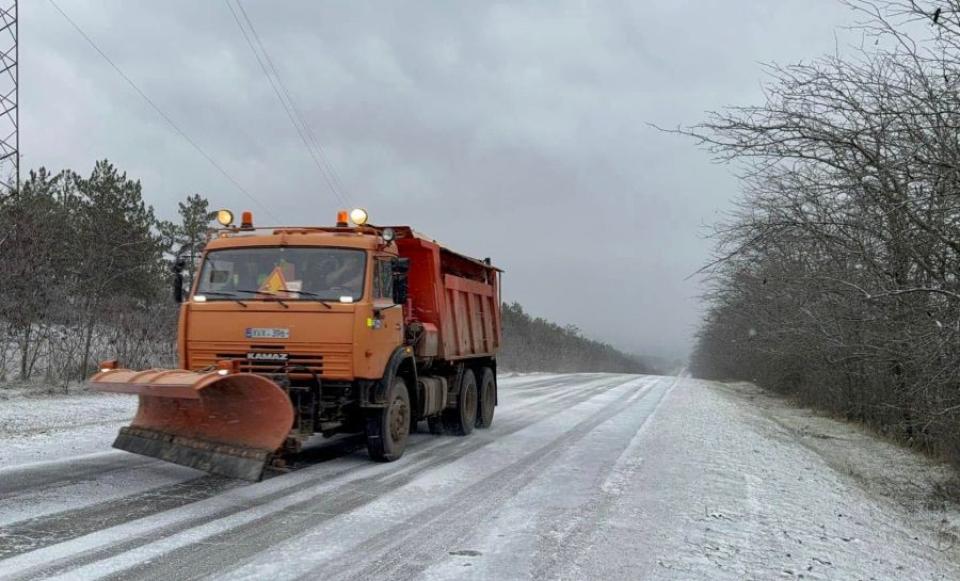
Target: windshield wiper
314,295
224,294
300,292
265,292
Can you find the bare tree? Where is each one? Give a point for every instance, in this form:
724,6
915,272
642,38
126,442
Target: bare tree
836,278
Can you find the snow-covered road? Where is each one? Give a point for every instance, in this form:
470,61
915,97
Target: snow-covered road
589,476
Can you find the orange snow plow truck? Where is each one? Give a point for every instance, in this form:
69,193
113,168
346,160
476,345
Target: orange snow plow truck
288,332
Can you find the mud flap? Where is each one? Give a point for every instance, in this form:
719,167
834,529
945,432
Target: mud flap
225,424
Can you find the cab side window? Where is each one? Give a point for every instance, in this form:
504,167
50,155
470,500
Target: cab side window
383,279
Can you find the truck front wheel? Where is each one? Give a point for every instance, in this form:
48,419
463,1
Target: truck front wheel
461,419
387,429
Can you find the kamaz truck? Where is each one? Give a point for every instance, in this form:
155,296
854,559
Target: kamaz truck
288,332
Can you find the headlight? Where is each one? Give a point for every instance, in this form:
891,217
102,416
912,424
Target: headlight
225,217
358,216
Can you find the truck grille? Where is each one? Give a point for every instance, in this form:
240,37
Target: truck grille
295,362
329,361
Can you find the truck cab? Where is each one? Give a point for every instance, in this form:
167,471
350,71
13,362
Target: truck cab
317,304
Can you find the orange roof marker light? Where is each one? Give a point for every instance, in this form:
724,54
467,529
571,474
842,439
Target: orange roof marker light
342,219
246,220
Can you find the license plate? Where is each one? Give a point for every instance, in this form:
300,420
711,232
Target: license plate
267,333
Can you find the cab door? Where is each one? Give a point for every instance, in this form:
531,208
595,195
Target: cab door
386,323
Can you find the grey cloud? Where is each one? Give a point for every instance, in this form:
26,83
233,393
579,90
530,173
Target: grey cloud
512,130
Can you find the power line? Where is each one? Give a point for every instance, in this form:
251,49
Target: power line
283,95
314,148
163,115
319,146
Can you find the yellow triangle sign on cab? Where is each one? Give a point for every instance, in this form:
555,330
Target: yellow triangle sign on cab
275,283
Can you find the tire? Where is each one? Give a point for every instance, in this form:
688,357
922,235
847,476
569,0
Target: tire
487,392
463,418
387,429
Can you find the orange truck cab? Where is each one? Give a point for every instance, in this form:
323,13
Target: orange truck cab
294,331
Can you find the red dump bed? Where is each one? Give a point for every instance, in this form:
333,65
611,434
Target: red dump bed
456,298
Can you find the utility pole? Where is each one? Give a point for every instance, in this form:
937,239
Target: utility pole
9,98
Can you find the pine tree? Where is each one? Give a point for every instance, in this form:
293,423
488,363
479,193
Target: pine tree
187,239
118,251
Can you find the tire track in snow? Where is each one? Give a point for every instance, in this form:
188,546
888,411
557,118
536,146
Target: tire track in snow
460,514
26,535
576,391
33,477
549,385
195,561
550,563
31,534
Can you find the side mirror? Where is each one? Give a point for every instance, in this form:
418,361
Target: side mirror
401,268
178,267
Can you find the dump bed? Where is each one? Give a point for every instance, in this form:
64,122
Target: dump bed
454,297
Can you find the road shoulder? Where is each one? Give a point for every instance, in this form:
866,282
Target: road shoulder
916,483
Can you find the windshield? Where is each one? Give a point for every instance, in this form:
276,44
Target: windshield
334,274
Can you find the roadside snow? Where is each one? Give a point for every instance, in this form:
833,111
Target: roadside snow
922,487
718,496
42,428
39,432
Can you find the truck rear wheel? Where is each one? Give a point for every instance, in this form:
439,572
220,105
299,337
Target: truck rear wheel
461,419
387,429
488,398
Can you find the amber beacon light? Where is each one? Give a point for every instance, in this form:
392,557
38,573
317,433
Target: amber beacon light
246,219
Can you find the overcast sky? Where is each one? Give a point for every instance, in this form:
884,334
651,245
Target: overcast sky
512,130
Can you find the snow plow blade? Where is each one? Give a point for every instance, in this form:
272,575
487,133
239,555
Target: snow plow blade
225,424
